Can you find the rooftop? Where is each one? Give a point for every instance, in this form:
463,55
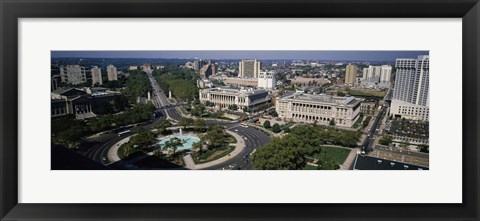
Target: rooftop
348,101
373,163
227,90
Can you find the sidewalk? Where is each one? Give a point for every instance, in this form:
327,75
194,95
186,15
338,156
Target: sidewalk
190,164
112,152
350,159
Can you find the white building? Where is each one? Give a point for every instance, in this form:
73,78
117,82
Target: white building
223,97
411,92
310,108
385,74
249,68
266,80
112,73
73,74
377,75
96,75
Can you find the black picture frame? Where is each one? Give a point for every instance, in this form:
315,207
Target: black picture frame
12,10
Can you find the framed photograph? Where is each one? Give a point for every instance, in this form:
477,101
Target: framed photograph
239,110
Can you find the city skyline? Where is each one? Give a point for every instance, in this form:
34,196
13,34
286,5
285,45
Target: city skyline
246,54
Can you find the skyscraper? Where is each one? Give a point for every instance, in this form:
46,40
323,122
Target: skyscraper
411,92
249,68
351,74
377,74
112,73
73,74
385,74
96,76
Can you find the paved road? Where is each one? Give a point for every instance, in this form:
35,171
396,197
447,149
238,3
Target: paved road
253,138
368,143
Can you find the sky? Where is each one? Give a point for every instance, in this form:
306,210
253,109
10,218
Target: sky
265,55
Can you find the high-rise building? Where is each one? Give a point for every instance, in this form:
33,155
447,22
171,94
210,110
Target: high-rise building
411,92
73,74
249,68
112,73
351,74
96,75
377,74
266,80
385,74
198,64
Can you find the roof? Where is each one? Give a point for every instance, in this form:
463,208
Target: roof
372,163
300,96
68,91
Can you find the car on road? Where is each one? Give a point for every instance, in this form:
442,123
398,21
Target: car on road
236,130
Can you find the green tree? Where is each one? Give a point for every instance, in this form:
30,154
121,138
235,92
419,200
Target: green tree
215,136
200,124
276,128
266,124
198,110
332,122
143,139
385,140
173,144
185,122
162,126
424,148
274,114
198,146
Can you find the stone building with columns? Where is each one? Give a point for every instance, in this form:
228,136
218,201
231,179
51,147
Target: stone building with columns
310,108
71,101
223,97
79,102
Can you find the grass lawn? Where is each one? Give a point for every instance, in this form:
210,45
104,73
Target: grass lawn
182,109
336,154
211,155
357,123
121,151
230,139
367,93
310,167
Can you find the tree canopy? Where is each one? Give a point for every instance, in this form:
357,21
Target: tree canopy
290,151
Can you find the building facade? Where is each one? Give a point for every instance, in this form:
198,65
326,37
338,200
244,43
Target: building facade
301,81
249,68
112,73
351,74
410,98
80,103
266,80
224,97
73,74
96,75
377,75
240,82
322,109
